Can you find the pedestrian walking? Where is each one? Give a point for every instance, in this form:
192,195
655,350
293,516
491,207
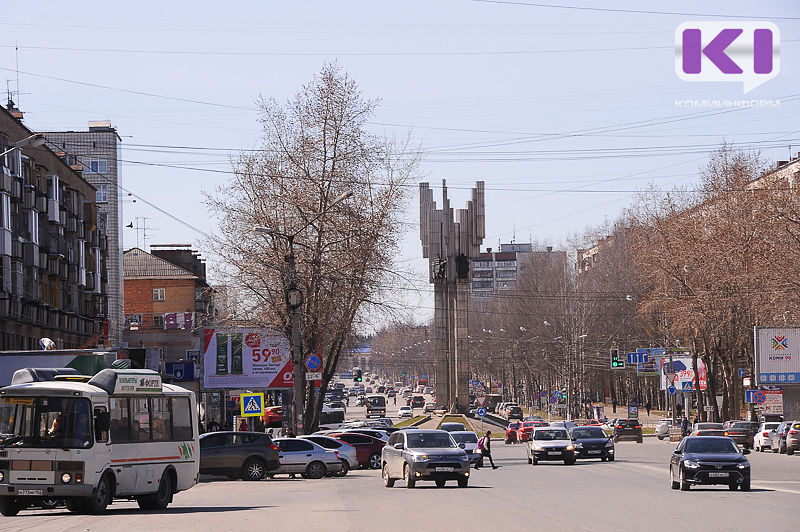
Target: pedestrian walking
648,405
685,427
485,445
394,398
614,405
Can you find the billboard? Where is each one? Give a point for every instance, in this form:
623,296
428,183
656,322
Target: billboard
684,371
237,358
777,351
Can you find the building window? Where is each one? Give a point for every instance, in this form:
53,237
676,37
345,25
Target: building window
158,322
102,194
159,294
95,166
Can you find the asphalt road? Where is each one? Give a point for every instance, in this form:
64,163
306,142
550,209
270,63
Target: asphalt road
631,493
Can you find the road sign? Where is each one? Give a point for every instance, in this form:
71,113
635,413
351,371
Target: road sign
313,363
709,408
671,377
553,400
754,396
481,400
499,384
672,390
481,412
742,372
544,393
314,376
252,404
687,387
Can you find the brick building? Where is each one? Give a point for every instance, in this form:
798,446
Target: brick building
167,300
53,277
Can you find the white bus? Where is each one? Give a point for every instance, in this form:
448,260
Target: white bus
331,418
121,435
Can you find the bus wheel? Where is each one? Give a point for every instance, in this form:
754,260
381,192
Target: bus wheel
99,501
161,498
9,506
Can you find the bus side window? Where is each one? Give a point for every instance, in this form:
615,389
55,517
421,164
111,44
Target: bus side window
100,413
119,419
140,419
181,418
160,418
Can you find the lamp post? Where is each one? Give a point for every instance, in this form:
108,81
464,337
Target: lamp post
294,300
35,140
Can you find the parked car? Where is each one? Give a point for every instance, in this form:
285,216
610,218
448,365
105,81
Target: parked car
305,457
778,441
346,452
763,437
662,428
405,411
470,441
703,460
415,455
511,432
368,449
742,432
592,442
550,443
273,416
246,455
793,438
373,431
514,412
627,429
452,427
708,429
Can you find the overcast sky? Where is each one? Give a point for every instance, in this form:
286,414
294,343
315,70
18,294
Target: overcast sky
564,110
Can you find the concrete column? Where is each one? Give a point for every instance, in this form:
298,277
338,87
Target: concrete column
462,373
440,342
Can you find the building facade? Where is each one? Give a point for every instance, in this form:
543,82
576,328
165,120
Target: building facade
53,250
94,154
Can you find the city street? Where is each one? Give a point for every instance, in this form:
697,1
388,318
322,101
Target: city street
631,493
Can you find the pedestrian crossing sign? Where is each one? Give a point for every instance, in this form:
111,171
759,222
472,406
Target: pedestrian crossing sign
252,404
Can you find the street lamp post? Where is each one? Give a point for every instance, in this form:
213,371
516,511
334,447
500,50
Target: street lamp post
294,300
37,139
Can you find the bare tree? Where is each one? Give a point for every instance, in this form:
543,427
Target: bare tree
315,149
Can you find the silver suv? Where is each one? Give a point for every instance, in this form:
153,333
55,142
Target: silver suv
415,455
662,429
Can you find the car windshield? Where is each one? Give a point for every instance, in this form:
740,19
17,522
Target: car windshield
700,446
465,437
742,425
550,435
63,422
706,426
588,432
429,440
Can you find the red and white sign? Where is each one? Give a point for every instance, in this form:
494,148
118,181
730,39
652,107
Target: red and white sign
237,358
773,402
481,400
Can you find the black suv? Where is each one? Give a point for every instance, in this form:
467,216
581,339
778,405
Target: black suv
247,455
416,401
630,429
514,412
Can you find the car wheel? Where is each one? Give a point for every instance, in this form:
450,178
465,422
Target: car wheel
684,485
10,506
387,480
508,441
639,440
316,470
410,482
97,503
733,487
253,470
789,451
610,458
161,498
374,461
674,484
569,462
530,460
463,482
345,469
746,485
757,449
602,458
440,483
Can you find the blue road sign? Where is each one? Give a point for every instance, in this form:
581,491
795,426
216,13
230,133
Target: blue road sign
672,390
544,393
687,386
499,384
252,404
754,396
742,372
553,400
481,411
313,362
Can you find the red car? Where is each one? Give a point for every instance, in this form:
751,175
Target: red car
511,432
525,429
368,449
593,423
273,416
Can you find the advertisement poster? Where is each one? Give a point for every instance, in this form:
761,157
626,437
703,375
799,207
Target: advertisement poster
684,372
777,351
237,358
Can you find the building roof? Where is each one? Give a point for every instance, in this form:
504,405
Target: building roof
139,263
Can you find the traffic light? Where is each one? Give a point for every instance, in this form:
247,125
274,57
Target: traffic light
616,361
358,375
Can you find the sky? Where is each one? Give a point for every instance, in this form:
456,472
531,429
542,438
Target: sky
564,109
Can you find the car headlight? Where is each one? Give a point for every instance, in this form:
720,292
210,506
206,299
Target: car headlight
570,448
420,457
464,458
1,476
691,464
65,478
743,465
537,447
609,443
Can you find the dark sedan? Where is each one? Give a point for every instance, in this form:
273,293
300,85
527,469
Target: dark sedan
247,455
742,432
592,442
368,449
705,460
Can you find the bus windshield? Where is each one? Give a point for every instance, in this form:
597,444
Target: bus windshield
63,422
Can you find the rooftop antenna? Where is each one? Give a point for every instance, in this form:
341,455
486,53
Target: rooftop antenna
16,53
514,230
141,230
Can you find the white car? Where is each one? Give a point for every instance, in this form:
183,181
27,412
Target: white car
763,438
347,453
430,406
405,411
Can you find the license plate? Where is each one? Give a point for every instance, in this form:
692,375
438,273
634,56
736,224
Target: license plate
553,452
444,469
594,452
30,492
715,474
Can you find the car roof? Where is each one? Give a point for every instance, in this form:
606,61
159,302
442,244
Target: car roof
463,432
